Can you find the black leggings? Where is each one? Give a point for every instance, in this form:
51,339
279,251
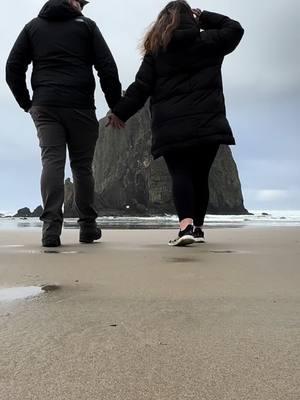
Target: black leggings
189,169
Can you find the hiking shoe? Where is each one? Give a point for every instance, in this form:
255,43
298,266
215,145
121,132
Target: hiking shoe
184,238
51,241
199,235
89,233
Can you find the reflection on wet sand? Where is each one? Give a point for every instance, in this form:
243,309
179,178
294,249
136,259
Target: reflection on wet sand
25,292
11,246
19,293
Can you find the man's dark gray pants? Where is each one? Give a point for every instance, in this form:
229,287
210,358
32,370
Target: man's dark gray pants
59,129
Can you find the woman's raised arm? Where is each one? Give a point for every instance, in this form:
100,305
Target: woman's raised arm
220,32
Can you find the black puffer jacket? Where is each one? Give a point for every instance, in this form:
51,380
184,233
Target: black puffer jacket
185,85
63,46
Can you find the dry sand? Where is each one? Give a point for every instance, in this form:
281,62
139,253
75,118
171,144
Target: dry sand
135,319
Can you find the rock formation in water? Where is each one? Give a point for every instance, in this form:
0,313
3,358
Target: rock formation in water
26,213
129,182
37,212
23,213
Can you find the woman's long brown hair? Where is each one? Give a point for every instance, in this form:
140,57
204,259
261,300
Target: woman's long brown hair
160,33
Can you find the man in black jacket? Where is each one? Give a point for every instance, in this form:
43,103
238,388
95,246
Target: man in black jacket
63,46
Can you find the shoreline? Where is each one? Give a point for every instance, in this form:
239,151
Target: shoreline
259,220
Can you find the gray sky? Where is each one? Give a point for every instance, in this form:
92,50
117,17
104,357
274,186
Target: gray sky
262,88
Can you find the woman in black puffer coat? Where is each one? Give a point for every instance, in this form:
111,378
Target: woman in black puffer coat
181,73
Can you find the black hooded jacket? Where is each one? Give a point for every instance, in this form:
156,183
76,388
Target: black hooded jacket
185,85
63,46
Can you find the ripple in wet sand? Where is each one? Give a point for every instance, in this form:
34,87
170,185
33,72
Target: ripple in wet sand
50,288
229,252
180,260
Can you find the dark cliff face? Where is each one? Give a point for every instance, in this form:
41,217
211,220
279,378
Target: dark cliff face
128,181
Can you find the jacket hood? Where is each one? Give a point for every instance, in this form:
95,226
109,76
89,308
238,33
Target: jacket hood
187,30
58,10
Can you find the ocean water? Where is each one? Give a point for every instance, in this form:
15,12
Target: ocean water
260,218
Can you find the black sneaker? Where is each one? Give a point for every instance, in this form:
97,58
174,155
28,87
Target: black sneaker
51,241
184,238
89,233
199,235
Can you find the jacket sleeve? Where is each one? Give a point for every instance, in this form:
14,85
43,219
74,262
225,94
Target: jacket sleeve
138,92
17,64
220,32
106,68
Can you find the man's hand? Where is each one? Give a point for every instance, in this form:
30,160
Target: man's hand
115,122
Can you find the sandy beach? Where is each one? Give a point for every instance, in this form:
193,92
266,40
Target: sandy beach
133,319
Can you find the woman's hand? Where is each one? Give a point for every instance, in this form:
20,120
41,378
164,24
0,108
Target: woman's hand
197,13
115,122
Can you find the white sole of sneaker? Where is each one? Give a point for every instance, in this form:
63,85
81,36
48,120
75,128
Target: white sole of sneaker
183,241
199,240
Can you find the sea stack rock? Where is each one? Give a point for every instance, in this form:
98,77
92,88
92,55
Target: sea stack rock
37,212
23,213
129,182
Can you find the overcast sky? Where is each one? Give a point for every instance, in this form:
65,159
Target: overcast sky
262,88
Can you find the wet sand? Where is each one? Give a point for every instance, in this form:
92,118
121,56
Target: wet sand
135,319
